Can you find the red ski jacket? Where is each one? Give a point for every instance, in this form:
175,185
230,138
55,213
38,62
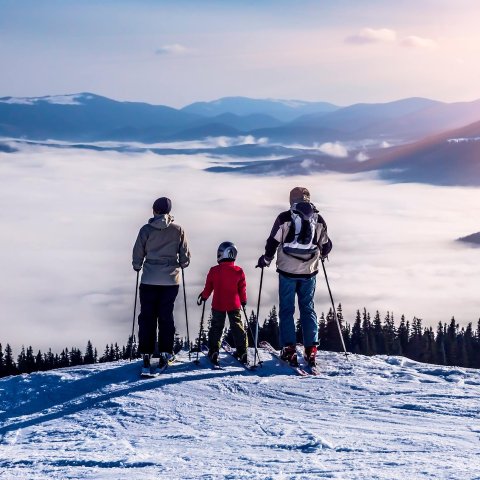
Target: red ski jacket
227,281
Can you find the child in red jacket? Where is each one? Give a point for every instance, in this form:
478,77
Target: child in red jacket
227,281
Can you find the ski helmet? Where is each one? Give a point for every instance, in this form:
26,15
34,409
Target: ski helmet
226,251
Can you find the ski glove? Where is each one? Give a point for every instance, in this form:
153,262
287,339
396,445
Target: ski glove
201,300
137,269
244,304
263,262
325,249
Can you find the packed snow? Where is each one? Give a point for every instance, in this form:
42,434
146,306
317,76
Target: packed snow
367,418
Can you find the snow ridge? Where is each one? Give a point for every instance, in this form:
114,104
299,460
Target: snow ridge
371,417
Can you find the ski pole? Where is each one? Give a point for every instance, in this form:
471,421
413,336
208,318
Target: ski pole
334,310
258,313
257,355
134,313
186,312
197,361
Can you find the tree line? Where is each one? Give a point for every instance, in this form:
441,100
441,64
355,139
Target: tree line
448,344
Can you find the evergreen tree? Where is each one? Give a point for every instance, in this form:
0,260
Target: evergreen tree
49,360
389,335
427,351
346,332
252,325
366,341
440,353
75,357
39,362
403,335
131,347
111,356
378,335
451,348
89,357
10,367
177,343
29,360
64,360
356,338
333,340
117,354
22,361
462,356
415,341
270,330
204,336
322,332
106,354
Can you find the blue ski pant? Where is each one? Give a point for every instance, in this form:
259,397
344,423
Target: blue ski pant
304,289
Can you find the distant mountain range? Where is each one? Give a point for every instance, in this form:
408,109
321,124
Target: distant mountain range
89,117
428,141
283,110
449,158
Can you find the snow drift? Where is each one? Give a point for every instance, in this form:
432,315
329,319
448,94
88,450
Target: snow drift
372,417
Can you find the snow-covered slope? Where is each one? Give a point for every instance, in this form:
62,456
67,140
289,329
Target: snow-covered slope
379,417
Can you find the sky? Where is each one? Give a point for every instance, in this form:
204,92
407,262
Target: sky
178,52
71,217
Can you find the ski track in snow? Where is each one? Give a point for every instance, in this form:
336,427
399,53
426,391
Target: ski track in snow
369,418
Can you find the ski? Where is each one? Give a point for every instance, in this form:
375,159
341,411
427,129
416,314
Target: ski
311,369
214,366
226,346
297,369
158,370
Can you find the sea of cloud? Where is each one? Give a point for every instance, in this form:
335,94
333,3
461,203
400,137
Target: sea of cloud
70,217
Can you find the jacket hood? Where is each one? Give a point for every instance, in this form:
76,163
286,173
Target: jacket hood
161,222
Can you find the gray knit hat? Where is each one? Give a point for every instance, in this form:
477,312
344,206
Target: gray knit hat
299,194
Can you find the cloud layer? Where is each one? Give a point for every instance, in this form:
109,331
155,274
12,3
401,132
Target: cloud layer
71,218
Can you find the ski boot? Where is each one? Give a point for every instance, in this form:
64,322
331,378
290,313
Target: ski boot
164,360
242,357
146,365
311,355
213,356
289,354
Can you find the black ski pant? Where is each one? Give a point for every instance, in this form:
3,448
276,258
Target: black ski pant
156,307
